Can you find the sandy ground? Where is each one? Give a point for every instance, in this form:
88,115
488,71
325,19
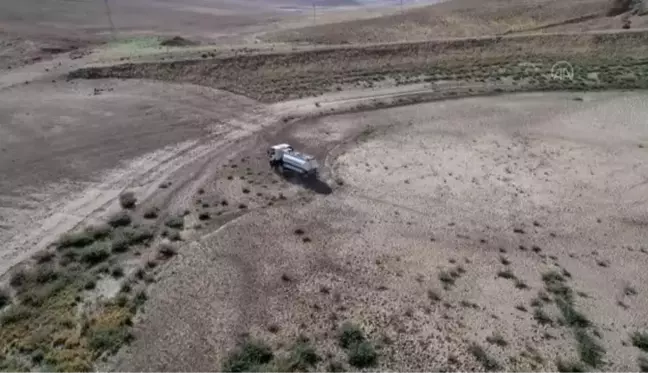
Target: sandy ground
68,149
428,187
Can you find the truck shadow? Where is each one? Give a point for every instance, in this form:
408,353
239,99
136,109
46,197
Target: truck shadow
314,184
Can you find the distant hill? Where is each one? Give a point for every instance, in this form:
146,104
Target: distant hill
466,18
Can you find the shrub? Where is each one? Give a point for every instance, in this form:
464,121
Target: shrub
542,317
14,314
642,361
302,357
363,355
248,357
204,216
120,219
590,352
76,239
125,237
95,254
117,272
446,278
350,335
570,366
488,362
572,316
43,257
5,298
497,339
335,366
166,250
640,340
99,232
176,222
108,339
127,200
507,274
151,213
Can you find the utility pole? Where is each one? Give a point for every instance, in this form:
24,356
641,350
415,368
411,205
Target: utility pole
109,15
401,6
314,14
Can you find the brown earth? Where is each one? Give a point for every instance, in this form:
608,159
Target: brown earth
431,225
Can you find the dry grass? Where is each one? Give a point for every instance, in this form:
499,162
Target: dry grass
618,59
458,18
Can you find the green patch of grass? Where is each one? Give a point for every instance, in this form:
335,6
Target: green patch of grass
590,352
640,340
108,338
488,362
249,357
302,357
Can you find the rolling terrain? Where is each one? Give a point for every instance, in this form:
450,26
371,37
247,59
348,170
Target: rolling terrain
480,204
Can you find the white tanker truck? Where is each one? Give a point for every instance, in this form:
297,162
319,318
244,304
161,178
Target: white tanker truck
284,157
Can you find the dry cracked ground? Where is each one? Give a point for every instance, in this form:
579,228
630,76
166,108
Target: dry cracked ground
481,234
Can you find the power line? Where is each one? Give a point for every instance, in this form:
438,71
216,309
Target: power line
109,15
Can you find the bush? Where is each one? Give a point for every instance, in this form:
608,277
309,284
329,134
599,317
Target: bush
497,339
176,222
248,357
99,232
108,339
642,361
640,340
507,274
120,219
363,355
335,366
302,357
488,362
542,317
127,200
125,237
14,314
590,352
76,239
571,316
5,298
117,272
166,250
570,366
95,254
151,213
350,335
43,257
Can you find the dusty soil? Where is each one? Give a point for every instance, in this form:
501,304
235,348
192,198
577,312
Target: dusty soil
543,180
70,148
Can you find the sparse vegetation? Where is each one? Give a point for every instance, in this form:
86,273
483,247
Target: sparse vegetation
570,366
249,357
127,200
151,213
488,362
542,317
497,339
175,222
120,219
642,362
350,334
362,355
5,298
640,340
166,250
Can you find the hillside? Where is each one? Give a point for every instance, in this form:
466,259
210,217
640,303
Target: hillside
465,18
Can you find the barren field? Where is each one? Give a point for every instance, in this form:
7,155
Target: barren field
442,222
144,230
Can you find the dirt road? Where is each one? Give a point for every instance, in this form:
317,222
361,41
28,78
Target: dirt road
541,180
